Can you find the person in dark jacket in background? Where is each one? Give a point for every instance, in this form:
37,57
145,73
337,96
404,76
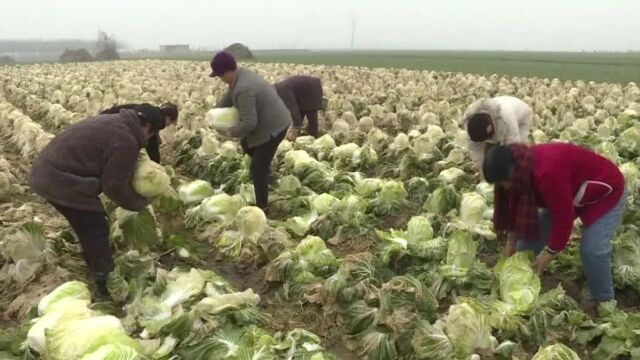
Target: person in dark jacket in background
153,145
264,118
94,156
566,181
304,98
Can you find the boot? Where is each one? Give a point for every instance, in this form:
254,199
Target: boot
101,293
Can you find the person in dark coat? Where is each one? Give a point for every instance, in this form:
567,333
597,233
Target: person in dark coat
304,98
153,145
94,156
264,118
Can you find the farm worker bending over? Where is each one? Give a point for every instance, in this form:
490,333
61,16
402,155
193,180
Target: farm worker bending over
565,181
96,155
264,119
502,120
153,145
303,97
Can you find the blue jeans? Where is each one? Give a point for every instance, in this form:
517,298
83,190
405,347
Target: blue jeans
595,249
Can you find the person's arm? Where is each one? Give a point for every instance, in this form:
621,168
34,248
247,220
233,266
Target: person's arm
225,101
289,100
512,132
524,125
511,244
116,109
558,198
117,177
476,152
246,104
153,148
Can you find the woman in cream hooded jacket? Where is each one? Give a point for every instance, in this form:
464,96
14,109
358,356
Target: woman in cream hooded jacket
502,120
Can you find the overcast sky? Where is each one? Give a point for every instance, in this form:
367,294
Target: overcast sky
555,25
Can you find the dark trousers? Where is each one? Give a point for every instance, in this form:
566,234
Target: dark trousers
92,229
312,122
261,158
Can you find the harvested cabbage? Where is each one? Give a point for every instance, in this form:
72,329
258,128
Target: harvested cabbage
251,222
222,118
519,284
114,352
69,290
149,179
472,208
64,309
468,329
195,191
323,203
74,338
556,352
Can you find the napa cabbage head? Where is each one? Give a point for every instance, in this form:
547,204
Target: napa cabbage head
114,352
323,203
289,185
519,284
304,141
221,205
392,191
251,222
467,328
607,150
346,151
472,208
64,309
149,178
419,229
74,338
195,191
222,118
461,253
324,143
556,352
628,142
442,201
368,187
631,175
451,175
69,290
210,145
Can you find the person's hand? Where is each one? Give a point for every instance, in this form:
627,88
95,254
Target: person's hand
542,261
293,134
510,246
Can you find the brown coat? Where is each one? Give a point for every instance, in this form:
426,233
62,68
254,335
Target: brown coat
301,94
95,155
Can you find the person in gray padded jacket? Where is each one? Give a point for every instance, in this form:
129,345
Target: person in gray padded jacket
264,118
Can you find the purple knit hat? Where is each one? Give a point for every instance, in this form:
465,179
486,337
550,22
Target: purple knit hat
222,62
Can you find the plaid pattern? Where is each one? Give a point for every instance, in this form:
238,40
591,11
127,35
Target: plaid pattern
515,208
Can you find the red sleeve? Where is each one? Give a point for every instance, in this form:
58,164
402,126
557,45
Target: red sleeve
557,196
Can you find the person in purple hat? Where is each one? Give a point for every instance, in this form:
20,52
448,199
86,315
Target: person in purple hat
264,118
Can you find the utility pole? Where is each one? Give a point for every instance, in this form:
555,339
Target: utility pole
353,29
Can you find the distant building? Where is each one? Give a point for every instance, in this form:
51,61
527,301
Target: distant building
174,48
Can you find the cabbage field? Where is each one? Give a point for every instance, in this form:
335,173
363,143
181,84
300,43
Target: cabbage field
379,243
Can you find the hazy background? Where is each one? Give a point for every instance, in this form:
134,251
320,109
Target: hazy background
536,25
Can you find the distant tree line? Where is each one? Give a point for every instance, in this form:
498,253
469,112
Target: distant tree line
105,47
20,46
